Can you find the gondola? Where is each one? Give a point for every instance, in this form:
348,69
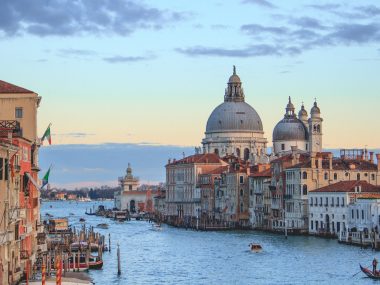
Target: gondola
369,273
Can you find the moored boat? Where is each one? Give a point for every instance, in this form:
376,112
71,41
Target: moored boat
102,226
370,273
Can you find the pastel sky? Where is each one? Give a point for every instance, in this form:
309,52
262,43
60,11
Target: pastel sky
152,71
128,71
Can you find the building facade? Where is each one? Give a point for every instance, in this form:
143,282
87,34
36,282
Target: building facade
19,195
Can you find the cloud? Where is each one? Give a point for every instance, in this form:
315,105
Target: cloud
307,22
325,7
252,51
263,3
74,135
254,29
67,17
76,52
123,59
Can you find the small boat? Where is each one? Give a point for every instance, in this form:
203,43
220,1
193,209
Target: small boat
82,220
72,214
102,226
370,273
255,247
157,227
94,262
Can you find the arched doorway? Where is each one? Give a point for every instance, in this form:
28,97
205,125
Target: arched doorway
327,223
132,206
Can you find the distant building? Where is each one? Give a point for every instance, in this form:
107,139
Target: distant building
131,197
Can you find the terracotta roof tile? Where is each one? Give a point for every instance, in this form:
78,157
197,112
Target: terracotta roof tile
7,88
264,173
349,186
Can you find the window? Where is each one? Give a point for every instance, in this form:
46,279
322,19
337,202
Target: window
6,169
316,225
326,201
246,154
311,224
304,189
326,176
373,176
18,113
362,214
130,187
241,207
282,146
343,216
216,151
335,176
342,202
1,168
250,192
241,192
352,214
304,175
241,179
357,214
311,201
358,176
320,201
238,152
332,202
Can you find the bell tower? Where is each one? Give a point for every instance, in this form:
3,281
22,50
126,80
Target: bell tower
315,129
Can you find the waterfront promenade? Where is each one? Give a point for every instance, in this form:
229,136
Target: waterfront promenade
179,256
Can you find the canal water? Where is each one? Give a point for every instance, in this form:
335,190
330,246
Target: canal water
179,256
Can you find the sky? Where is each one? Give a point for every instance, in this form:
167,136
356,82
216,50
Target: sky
151,72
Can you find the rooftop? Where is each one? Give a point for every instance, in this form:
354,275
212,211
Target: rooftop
8,88
348,186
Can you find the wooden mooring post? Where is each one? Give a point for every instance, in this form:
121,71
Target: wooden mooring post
118,260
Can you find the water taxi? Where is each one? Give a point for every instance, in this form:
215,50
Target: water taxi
255,247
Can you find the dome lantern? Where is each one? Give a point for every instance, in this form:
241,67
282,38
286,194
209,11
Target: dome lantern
234,92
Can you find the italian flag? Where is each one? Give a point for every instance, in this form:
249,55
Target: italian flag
47,135
45,179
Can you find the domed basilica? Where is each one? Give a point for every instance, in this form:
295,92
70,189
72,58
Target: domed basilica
234,127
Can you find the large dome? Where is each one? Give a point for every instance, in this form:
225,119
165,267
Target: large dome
290,129
234,116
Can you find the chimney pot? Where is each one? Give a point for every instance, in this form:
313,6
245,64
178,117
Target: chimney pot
371,156
378,161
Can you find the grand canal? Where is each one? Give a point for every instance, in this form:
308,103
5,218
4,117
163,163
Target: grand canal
178,256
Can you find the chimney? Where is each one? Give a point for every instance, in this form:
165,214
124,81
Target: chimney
297,158
330,155
378,161
312,157
371,156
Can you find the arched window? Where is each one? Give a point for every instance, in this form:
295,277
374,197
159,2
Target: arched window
241,207
358,176
238,152
326,176
216,151
304,175
304,189
318,128
246,154
335,176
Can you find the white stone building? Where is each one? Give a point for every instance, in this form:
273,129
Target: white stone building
234,127
364,214
329,205
130,198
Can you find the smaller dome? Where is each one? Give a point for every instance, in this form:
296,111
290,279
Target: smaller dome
234,78
302,112
290,129
315,111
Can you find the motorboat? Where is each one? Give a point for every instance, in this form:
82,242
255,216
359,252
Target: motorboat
255,247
